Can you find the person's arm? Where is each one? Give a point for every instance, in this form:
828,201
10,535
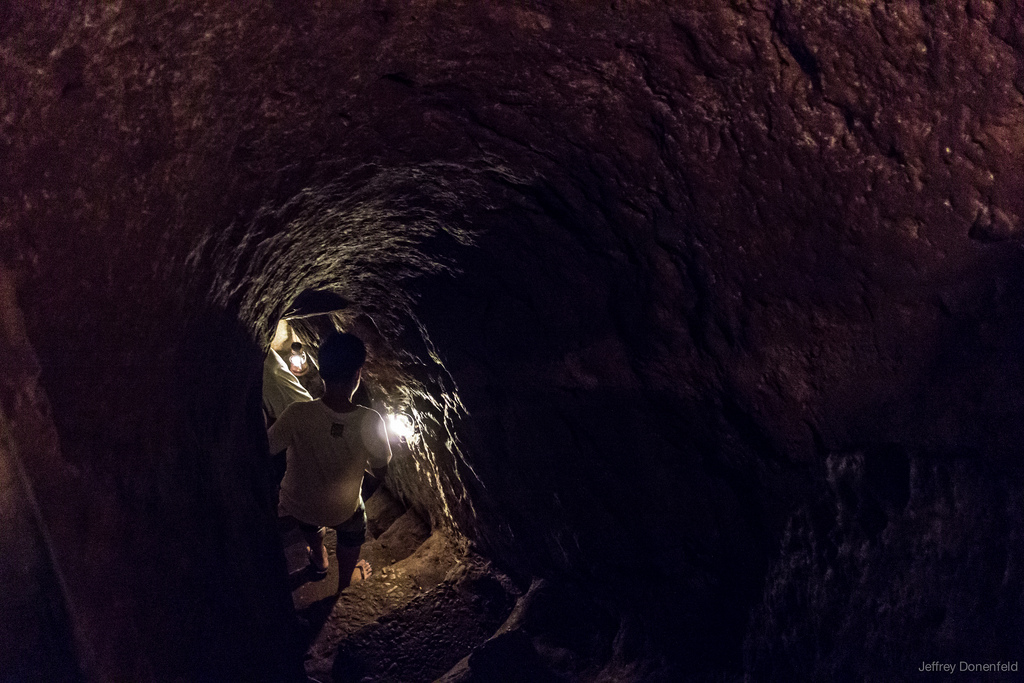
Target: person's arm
376,436
373,483
279,434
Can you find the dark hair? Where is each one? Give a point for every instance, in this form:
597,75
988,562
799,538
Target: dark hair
341,355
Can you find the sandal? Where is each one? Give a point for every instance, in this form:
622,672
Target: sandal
364,569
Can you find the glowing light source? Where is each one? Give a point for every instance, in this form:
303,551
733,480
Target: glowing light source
401,426
298,363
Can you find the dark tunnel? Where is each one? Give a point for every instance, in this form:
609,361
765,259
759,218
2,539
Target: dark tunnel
707,318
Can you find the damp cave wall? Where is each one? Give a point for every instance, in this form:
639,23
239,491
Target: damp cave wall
727,291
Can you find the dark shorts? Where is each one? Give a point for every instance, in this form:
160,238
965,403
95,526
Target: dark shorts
351,532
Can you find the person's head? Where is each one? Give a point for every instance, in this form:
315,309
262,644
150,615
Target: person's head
341,356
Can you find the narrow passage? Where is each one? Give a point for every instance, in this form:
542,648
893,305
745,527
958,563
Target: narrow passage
427,603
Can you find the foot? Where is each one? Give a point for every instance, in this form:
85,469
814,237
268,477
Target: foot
362,571
318,562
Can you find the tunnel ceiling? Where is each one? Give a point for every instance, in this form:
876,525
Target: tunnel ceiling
670,283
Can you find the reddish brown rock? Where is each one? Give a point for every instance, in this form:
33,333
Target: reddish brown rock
641,270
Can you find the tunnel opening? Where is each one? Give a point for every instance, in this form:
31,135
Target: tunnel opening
350,240
394,244
397,245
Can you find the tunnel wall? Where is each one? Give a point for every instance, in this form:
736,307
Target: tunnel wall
36,636
727,292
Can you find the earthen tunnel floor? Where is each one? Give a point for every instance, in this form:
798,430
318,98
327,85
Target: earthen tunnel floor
426,605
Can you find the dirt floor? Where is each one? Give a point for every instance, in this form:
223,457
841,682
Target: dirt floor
426,605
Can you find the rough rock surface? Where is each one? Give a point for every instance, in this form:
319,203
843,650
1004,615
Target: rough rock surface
35,638
450,620
929,547
650,276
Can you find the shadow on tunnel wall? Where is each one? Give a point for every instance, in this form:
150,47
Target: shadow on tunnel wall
884,534
154,501
220,533
908,551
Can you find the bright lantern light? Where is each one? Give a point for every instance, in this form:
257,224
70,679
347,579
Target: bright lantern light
298,362
401,426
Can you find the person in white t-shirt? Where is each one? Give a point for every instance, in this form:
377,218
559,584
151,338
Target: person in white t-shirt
330,442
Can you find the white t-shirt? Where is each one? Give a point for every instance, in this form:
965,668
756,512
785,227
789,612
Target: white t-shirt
327,454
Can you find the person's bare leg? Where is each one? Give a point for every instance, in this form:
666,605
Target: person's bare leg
317,549
347,559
